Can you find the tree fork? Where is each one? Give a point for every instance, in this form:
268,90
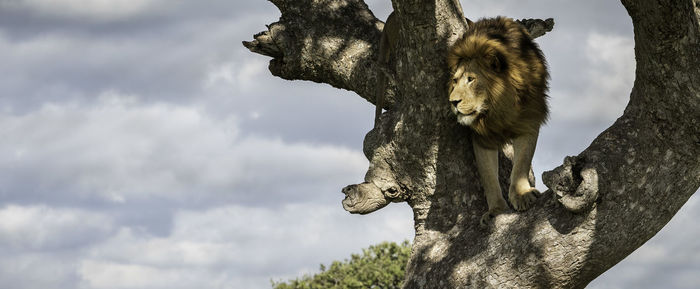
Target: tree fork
602,204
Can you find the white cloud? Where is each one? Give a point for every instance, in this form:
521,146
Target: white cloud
245,77
92,9
29,270
603,85
121,151
222,247
612,58
153,58
44,228
236,235
113,275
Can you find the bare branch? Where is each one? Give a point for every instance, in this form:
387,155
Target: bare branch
264,44
334,42
364,198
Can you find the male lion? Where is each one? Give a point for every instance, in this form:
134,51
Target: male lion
499,89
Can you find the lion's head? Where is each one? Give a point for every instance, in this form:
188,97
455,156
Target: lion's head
498,80
471,91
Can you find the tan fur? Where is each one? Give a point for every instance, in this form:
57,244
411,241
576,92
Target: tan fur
510,77
499,89
387,48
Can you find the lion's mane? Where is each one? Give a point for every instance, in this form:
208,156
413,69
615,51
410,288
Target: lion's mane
516,73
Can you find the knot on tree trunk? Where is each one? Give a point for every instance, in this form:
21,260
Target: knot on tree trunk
537,27
367,197
575,184
264,42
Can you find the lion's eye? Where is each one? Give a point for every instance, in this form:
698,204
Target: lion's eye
454,80
470,79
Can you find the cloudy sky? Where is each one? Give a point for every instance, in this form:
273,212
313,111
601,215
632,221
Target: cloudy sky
141,146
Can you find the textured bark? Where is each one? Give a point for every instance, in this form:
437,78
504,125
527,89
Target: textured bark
602,204
325,41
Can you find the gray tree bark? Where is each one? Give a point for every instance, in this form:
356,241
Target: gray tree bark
602,204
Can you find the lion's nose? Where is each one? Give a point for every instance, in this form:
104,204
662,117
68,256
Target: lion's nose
455,102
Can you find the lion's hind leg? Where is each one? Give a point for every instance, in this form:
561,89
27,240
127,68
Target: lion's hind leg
521,195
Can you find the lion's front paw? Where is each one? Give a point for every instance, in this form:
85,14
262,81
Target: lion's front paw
524,200
490,215
486,219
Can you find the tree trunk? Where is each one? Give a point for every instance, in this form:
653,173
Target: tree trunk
602,204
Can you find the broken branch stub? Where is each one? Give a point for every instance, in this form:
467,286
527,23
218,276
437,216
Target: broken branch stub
575,184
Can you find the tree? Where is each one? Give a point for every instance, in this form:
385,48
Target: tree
379,266
601,204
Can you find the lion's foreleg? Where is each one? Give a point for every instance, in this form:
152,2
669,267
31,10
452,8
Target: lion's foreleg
520,193
487,165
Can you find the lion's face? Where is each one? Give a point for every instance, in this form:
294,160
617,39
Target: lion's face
498,84
468,94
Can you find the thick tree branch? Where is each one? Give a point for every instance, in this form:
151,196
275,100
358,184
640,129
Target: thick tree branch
609,199
602,204
325,41
334,42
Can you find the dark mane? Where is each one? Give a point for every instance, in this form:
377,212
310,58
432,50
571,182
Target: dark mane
518,76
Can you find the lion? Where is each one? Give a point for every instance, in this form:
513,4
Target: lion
499,89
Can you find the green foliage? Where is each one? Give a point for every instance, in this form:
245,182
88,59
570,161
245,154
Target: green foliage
380,266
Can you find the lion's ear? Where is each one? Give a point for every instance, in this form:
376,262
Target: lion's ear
469,22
